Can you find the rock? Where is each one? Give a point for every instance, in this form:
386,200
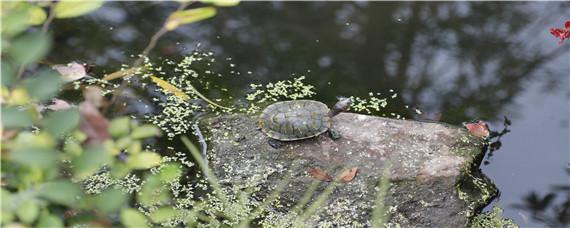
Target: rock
432,168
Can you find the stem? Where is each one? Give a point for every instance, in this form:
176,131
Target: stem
48,21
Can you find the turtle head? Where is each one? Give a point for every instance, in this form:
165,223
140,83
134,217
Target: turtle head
340,106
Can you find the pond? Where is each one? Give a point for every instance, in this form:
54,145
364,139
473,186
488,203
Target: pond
454,61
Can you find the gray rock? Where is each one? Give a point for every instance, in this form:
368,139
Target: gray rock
432,168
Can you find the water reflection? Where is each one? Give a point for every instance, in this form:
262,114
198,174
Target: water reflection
548,208
454,60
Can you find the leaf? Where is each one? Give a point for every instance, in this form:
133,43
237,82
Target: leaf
93,124
122,73
170,88
145,131
222,3
190,87
120,126
14,20
58,104
319,174
94,95
89,162
132,218
71,71
8,74
110,200
49,221
35,157
144,160
36,15
59,123
74,8
153,192
163,214
60,192
12,117
478,129
29,48
170,172
43,86
348,175
188,16
28,211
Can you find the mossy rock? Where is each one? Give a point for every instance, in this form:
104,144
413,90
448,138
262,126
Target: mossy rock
433,169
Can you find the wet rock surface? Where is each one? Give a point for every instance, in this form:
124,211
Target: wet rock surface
432,169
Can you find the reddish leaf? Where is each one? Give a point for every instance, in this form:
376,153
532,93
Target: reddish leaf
93,124
348,175
94,95
561,33
319,174
58,104
71,71
478,129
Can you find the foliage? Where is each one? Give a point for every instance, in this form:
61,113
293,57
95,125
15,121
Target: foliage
492,218
48,155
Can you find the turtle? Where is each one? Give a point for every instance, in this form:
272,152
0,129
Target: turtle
299,119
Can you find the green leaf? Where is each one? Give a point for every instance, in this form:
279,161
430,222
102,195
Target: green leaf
120,170
153,192
59,123
14,20
28,211
145,131
35,157
7,217
123,142
6,197
188,16
28,139
8,74
49,221
73,148
170,172
144,160
135,147
75,8
89,162
36,15
29,48
14,117
222,3
60,192
120,126
163,214
132,218
110,200
43,85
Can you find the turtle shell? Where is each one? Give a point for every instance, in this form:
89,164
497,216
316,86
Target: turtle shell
295,120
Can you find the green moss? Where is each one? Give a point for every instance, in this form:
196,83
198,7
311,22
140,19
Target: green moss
492,218
472,186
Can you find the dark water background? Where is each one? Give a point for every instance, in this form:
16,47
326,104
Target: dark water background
455,61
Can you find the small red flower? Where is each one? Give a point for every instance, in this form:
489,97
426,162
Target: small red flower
561,33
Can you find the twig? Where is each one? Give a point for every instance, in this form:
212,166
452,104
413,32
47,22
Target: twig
151,44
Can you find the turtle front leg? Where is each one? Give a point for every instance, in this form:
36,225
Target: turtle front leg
334,134
276,144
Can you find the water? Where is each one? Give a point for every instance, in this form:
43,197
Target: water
454,61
